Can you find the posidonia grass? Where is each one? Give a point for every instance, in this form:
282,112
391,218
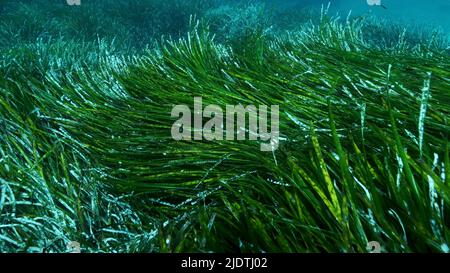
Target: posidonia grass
87,156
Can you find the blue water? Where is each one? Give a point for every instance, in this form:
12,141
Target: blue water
433,14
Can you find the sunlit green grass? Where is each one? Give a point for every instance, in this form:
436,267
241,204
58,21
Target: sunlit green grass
87,155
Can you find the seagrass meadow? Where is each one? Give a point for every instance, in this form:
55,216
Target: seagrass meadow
86,154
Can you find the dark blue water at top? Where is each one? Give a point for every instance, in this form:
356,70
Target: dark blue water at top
431,13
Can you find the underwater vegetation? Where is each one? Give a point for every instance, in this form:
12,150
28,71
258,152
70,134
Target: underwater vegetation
86,153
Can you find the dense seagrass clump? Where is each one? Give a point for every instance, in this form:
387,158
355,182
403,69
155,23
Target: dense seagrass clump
86,152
